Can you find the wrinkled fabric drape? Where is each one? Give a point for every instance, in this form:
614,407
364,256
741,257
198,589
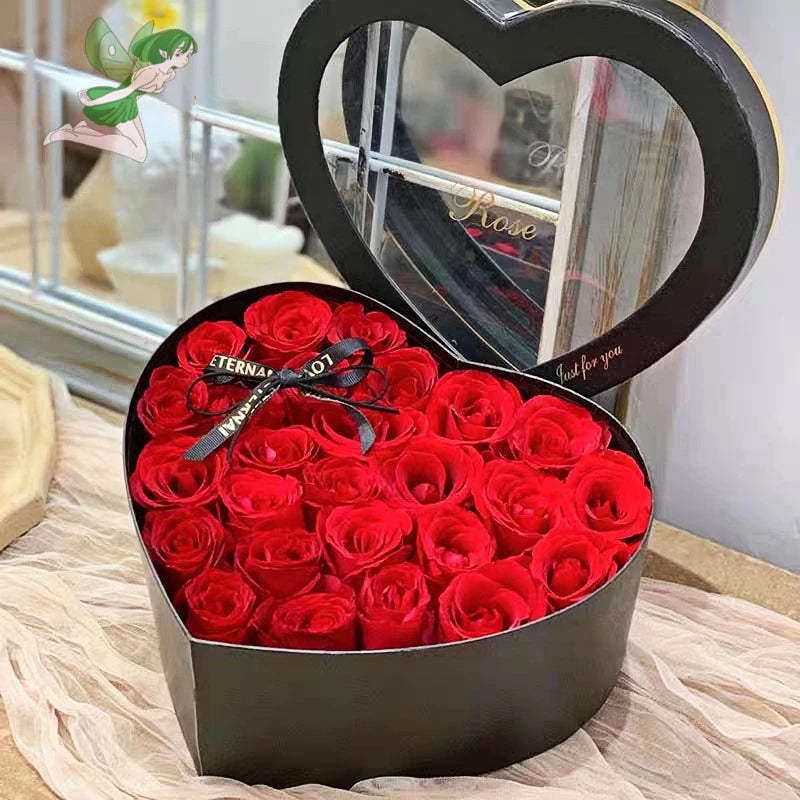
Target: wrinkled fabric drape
707,707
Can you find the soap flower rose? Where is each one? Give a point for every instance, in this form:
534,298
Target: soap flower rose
609,495
218,606
572,563
452,540
552,434
411,372
520,504
283,450
494,598
375,328
163,479
472,406
208,339
288,322
163,407
322,620
183,542
431,472
365,537
256,500
394,608
341,481
279,563
337,434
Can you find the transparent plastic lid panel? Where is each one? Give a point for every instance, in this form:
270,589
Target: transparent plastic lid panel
520,221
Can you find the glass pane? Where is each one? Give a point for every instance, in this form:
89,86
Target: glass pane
523,220
257,233
15,241
119,220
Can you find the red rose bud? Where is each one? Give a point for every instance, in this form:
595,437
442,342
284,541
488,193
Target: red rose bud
256,500
360,538
394,608
571,563
261,620
375,328
552,434
288,322
609,495
412,373
162,479
323,620
219,606
452,540
279,563
431,472
472,406
520,504
284,450
341,481
337,434
183,542
493,598
207,340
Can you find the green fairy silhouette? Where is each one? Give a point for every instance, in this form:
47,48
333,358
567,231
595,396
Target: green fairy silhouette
146,67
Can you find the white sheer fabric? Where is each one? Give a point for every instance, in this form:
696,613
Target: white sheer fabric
708,706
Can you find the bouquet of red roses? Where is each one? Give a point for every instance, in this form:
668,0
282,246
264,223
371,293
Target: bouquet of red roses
474,511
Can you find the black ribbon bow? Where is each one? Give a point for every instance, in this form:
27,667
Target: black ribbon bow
315,373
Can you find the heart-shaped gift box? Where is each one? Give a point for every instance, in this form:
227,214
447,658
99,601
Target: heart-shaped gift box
284,717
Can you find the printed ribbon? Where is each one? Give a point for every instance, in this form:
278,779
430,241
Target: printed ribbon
315,373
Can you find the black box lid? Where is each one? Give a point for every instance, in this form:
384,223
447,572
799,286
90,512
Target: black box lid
567,190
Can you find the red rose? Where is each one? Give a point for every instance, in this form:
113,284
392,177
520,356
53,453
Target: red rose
183,542
472,406
377,329
337,434
452,540
222,397
279,563
257,500
274,413
571,563
261,620
162,479
520,504
219,605
552,434
609,495
394,608
358,538
170,375
207,340
632,546
412,373
341,481
162,408
288,322
431,472
323,620
284,450
493,598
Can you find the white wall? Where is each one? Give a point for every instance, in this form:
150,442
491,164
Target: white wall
719,419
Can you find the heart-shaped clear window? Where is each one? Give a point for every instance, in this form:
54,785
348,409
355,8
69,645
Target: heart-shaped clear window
521,221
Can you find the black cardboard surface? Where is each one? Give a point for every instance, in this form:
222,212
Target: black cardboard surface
282,717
